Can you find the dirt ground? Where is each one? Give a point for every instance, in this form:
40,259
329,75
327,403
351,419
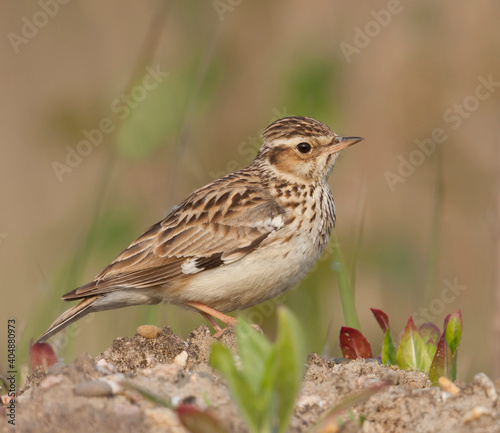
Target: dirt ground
90,396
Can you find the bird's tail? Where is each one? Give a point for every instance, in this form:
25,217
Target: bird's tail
81,309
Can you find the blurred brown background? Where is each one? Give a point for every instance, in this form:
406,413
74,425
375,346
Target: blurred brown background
414,224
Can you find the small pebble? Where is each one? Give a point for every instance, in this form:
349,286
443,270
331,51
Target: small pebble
105,367
181,359
93,388
444,396
448,386
488,386
116,388
51,381
57,368
477,413
148,331
176,400
308,401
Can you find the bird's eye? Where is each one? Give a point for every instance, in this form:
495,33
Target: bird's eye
304,147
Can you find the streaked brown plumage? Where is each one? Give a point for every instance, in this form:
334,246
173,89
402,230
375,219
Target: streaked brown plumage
234,243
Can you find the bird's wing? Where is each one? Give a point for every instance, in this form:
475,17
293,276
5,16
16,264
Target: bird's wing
212,227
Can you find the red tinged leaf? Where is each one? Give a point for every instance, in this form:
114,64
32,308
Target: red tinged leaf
42,355
382,319
430,333
442,364
446,320
353,344
196,420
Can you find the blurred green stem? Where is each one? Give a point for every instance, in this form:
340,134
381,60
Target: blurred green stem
360,210
345,288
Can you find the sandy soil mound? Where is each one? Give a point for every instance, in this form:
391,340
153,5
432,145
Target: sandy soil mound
90,395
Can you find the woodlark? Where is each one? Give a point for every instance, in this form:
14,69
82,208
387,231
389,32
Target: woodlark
243,239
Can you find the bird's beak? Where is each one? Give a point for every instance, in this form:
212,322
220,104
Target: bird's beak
341,143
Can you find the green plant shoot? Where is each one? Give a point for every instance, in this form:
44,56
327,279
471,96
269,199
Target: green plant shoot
268,380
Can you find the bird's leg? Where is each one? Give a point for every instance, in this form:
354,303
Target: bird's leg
209,314
212,321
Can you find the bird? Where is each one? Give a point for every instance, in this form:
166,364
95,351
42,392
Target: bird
240,240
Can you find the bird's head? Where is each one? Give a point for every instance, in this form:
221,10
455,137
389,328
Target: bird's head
301,149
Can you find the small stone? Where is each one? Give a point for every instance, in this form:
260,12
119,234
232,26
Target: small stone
488,386
148,331
105,367
448,386
444,396
176,400
57,368
116,388
51,381
93,388
477,413
181,359
308,401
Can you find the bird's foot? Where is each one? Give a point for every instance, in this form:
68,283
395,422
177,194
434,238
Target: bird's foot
210,314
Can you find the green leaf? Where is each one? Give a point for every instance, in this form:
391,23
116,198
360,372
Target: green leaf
290,363
221,359
412,352
258,368
253,349
453,329
388,349
267,384
442,364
